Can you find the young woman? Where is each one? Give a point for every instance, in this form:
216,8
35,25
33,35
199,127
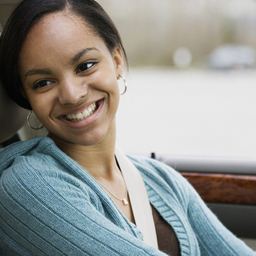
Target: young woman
73,192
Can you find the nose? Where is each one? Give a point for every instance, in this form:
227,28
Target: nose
71,91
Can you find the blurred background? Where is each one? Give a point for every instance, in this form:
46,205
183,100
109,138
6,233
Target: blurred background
191,82
191,77
157,33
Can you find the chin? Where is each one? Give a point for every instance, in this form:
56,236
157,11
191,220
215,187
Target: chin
84,140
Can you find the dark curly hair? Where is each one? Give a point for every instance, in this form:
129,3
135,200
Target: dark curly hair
26,15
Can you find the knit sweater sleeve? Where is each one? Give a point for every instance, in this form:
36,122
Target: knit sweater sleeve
46,212
213,237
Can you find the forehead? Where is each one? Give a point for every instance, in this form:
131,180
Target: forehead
58,36
54,22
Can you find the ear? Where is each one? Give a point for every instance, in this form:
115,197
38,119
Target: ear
118,61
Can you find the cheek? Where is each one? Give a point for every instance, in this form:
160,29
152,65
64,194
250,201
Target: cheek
105,81
40,105
114,91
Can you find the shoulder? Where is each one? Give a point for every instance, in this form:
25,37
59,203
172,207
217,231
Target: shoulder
37,179
20,163
31,151
154,167
24,159
28,167
162,177
8,154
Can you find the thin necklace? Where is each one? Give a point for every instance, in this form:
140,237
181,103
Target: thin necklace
125,202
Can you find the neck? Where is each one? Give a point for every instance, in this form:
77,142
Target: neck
97,159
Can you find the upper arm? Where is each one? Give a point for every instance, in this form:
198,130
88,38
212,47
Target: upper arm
213,237
53,215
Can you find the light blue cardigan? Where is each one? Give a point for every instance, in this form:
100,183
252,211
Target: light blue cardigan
49,205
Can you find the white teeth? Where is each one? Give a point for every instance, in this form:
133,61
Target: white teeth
86,113
80,116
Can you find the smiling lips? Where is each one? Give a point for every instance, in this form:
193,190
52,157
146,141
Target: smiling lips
82,115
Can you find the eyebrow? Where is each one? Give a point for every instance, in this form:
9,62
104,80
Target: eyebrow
75,59
80,54
35,71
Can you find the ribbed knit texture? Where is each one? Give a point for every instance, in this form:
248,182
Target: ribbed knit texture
49,205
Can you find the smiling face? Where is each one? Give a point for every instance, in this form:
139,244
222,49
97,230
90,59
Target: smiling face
70,79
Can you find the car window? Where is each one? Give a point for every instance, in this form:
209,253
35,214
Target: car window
191,79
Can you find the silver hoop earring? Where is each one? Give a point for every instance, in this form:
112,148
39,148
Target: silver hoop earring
34,128
125,86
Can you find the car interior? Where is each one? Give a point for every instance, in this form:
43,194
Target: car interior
226,184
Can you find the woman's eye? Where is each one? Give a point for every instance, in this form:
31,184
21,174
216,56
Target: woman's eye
42,83
85,66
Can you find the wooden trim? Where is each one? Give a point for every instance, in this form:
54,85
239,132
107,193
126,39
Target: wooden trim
224,188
